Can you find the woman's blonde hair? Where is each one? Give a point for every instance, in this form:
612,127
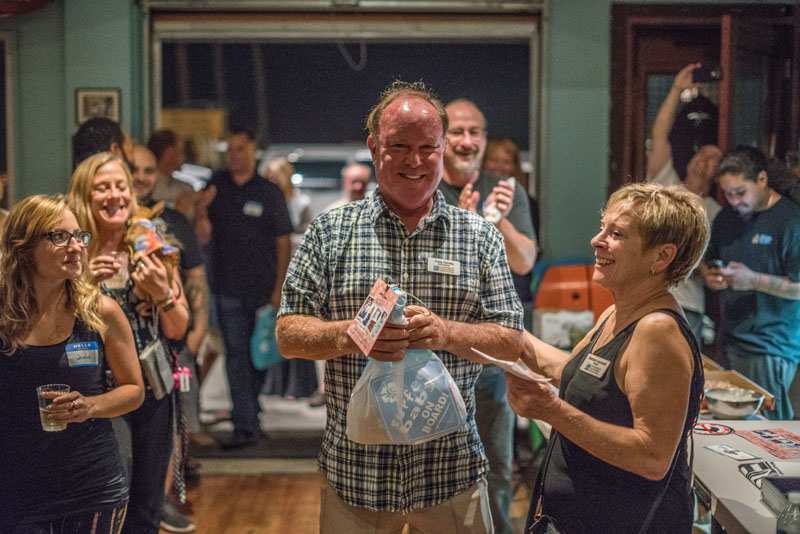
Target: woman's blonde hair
79,193
24,228
667,215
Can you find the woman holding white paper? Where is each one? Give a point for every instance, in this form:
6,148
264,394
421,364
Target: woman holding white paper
62,470
630,390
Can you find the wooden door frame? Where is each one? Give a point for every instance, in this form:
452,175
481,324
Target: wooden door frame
624,20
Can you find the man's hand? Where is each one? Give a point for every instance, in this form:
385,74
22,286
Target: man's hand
185,202
468,199
426,330
738,276
502,196
713,277
391,343
683,80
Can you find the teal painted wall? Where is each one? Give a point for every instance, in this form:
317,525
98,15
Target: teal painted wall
575,135
41,145
64,46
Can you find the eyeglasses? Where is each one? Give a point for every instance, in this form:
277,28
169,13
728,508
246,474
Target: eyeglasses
461,132
60,238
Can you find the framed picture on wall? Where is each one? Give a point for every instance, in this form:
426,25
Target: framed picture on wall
93,102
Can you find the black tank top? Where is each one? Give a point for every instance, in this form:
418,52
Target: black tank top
586,494
46,474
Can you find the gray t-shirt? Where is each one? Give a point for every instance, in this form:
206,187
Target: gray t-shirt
520,214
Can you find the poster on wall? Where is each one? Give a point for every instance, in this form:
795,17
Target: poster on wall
90,102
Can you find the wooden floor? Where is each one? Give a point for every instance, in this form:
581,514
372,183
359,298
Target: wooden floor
279,504
273,504
260,504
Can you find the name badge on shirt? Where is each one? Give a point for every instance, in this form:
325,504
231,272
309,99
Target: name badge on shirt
436,265
253,209
595,365
82,354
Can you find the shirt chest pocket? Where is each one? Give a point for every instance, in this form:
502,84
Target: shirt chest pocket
459,297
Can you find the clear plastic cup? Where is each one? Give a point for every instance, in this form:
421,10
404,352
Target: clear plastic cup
490,211
46,394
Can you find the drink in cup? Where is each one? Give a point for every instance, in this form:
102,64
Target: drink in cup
46,394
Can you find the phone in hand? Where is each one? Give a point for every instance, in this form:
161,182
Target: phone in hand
706,73
716,264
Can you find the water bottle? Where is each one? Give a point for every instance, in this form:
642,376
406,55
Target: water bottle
490,212
789,520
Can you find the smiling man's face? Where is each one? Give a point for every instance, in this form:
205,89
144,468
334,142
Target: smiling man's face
408,154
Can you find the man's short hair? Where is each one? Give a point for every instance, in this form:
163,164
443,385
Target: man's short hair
400,88
249,133
160,141
95,135
667,215
745,161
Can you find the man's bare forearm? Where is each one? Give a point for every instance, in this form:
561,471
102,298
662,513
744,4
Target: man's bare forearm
777,286
310,338
520,249
491,338
197,294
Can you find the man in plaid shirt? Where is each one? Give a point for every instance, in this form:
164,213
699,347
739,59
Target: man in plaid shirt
449,259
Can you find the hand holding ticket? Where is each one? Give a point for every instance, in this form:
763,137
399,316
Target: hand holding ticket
517,368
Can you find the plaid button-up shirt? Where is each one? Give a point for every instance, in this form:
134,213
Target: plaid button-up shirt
344,251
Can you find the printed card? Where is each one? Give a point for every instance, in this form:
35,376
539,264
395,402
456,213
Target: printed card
372,316
777,441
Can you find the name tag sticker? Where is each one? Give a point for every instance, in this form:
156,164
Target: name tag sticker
83,354
436,265
595,365
253,209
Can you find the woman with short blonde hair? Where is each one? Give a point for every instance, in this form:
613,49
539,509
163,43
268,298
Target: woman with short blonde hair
629,392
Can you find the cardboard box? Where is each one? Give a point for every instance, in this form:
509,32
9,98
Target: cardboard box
709,364
561,328
740,381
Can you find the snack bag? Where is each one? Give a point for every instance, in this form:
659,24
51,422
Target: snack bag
143,239
407,402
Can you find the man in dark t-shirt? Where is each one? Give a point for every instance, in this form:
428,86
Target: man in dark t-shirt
249,227
756,239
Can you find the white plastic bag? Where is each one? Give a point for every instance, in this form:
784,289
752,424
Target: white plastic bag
407,402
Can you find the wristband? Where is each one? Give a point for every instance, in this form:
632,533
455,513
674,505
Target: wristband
169,300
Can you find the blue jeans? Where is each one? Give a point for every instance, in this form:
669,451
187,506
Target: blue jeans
496,428
773,373
237,317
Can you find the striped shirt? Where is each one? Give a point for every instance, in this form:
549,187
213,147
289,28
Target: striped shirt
345,250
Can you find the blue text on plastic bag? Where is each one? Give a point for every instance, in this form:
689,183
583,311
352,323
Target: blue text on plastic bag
407,402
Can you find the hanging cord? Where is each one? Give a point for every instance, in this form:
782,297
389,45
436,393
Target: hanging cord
179,465
362,61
